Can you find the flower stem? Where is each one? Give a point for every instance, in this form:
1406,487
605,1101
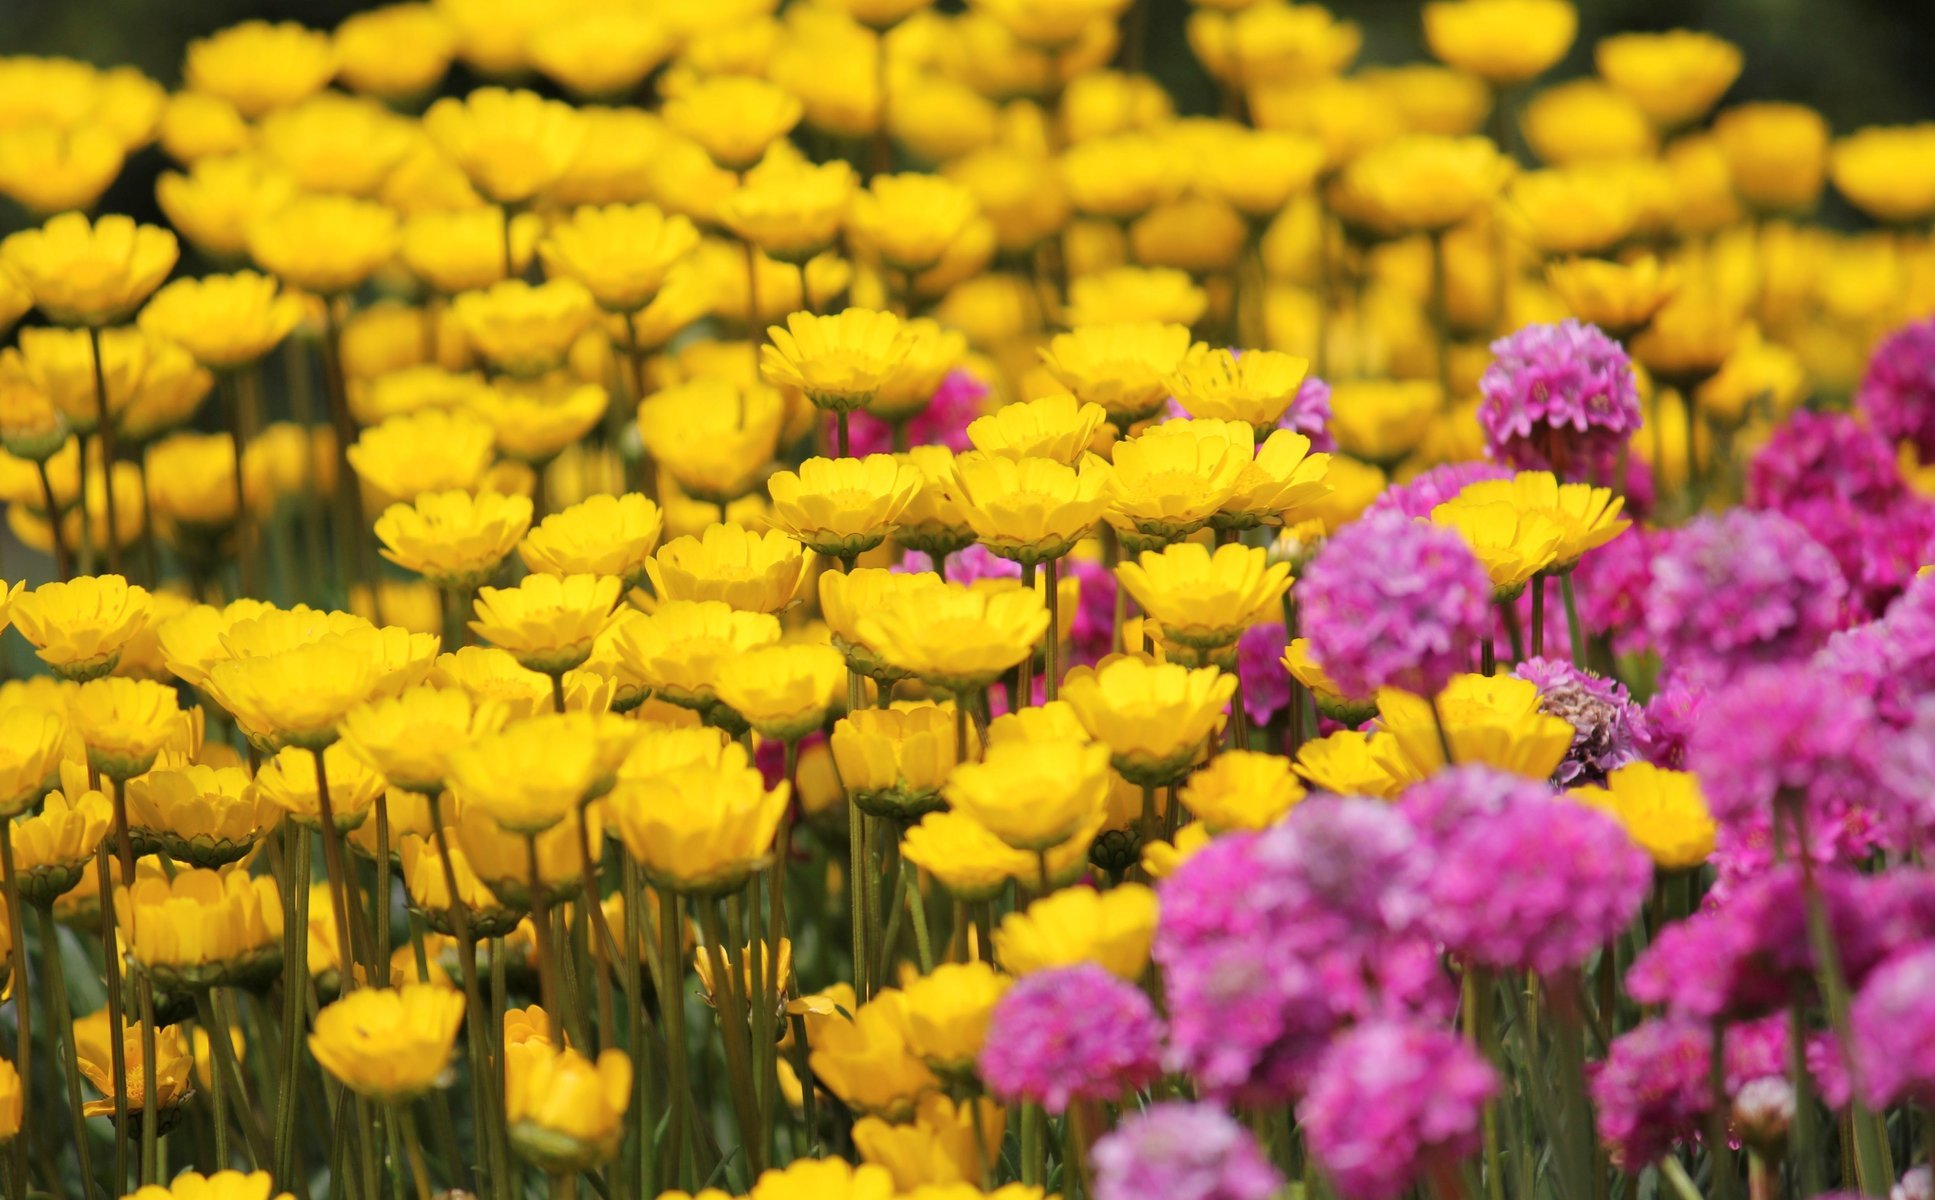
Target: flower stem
341,883
547,950
54,977
23,989
295,978
671,1002
106,429
62,563
217,1085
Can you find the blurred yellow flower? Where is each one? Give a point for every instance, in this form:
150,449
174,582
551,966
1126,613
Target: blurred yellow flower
1494,720
512,144
733,117
565,1112
1619,297
289,781
258,66
453,539
784,692
325,244
389,1044
89,273
1776,152
525,329
911,220
1422,183
1113,929
1583,121
208,816
464,249
1033,795
396,52
620,253
1503,41
433,450
1674,77
1663,811
1885,171
1124,368
755,572
699,829
865,1060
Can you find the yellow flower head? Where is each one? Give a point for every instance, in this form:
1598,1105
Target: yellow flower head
429,451
676,650
208,816
790,209
80,627
1573,210
713,436
512,144
839,361
463,249
1349,710
1674,77
222,1185
297,695
1206,599
1055,427
396,52
324,243
1256,387
783,691
699,829
750,571
600,535
1284,484
429,890
50,170
964,855
525,329
125,723
1421,183
1132,294
565,1112
602,52
911,220
201,928
842,507
1167,483
1691,336
89,273
411,738
948,1013
1242,789
258,66
894,761
1112,929
488,673
531,774
621,254
289,781
1494,720
1154,717
1029,509
1587,516
734,118
336,143
1511,543
223,320
1502,41
547,622
502,859
943,1147
174,1066
952,637
1777,154
1663,811
1124,368
453,539
196,127
1032,795
866,1062
1619,297
1583,121
53,847
1884,171
389,1044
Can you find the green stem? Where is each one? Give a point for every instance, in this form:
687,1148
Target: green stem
54,977
1573,631
217,1084
732,1029
23,988
295,980
917,913
546,947
1719,1150
671,1001
1538,616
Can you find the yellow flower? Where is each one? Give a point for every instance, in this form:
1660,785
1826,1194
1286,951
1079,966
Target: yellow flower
1166,483
1584,121
1255,388
1777,153
453,539
222,1185
1206,600
429,451
397,52
750,571
463,250
964,856
1619,297
223,320
1283,484
1055,427
488,673
337,143
601,52
1511,543
621,254
842,507
1421,183
525,329
1161,859
1759,378
502,859
1572,210
324,243
677,649
49,170
734,118
1884,172
53,847
1124,367
1032,795
389,1044
1242,789
1112,929
955,638
410,738
289,781
565,1113
125,723
1691,336
201,928
1030,509
1131,294
791,210
257,66
948,1013
83,273
894,761
1674,77
1664,812
699,829
1331,702
195,127
945,1144
79,628
600,535
1494,720
531,774
208,816
784,692
1503,41
429,890
847,596
865,1061
174,1066
841,361
1587,516
512,144
931,355
296,696
217,202
911,220
1382,421
713,436
1154,717
547,622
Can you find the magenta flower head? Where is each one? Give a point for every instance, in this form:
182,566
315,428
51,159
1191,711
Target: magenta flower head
1391,1101
1897,394
1072,1033
1537,885
1416,497
1559,398
1672,715
1394,602
1793,735
1824,456
943,422
1891,1017
1742,588
1182,1151
1607,726
1309,414
1653,1089
1440,805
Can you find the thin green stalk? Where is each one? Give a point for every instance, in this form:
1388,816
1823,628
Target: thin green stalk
671,1001
732,1028
54,977
1538,616
637,1175
917,913
486,1102
295,979
341,883
546,946
601,929
1719,1149
380,903
23,987
217,1084
245,1115
1574,632
413,1150
1051,666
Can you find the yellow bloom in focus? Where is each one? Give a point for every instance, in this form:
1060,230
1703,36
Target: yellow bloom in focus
1283,484
395,52
621,253
222,1185
1583,121
125,723
865,1061
1030,510
1619,297
1032,795
964,856
208,816
223,320
1242,789
1422,183
512,144
54,847
257,66
1511,544
289,781
1777,154
839,361
699,829
547,622
1494,720
1166,483
847,596
463,250
389,1044
525,329
174,1066
453,539
411,738
599,535
1663,811
201,928
894,761
1674,77
791,210
1256,387
679,647
955,638
734,118
1587,516
89,273
911,220
1124,368
565,1113
323,243
1154,717
753,572
530,775
1351,762
842,507
1112,929
429,451
1502,41
1885,172
80,627
784,692
1206,600
1056,427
